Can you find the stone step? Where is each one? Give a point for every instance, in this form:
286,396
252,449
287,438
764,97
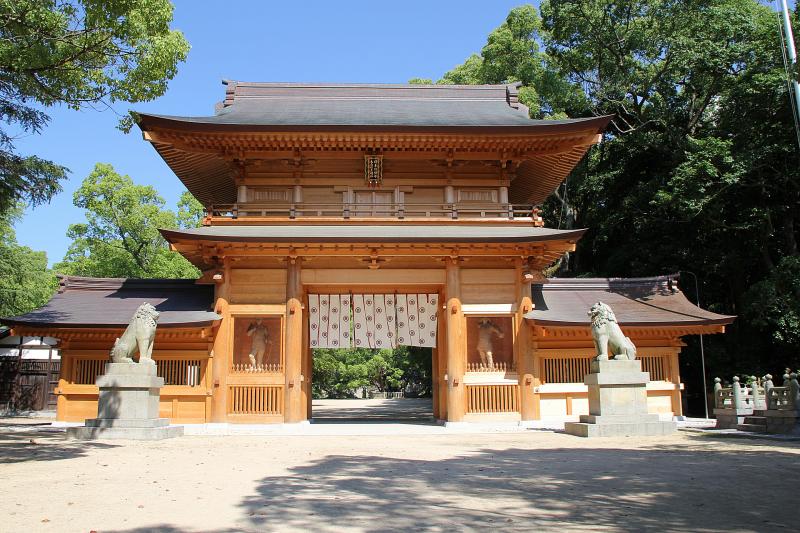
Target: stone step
758,420
752,428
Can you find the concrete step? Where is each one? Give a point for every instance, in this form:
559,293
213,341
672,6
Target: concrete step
752,428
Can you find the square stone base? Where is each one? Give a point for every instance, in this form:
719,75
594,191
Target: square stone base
731,418
127,406
783,422
121,432
618,403
646,427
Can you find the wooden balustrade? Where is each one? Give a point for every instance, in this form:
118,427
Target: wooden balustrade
565,369
187,372
573,369
657,366
175,370
255,400
247,368
381,210
85,370
496,367
492,398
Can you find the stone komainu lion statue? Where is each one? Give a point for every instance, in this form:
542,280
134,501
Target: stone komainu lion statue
608,336
139,335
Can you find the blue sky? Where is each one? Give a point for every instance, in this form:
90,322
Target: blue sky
344,41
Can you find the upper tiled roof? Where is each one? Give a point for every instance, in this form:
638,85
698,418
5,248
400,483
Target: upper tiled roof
111,302
653,301
288,105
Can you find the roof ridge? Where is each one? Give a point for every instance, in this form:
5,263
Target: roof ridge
290,84
606,283
85,283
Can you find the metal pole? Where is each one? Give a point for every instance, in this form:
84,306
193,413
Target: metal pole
791,53
702,348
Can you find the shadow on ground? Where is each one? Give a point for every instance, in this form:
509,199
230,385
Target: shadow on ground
656,488
39,444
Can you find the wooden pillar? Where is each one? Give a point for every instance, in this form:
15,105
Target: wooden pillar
675,378
440,370
524,346
64,378
456,342
223,344
294,410
307,370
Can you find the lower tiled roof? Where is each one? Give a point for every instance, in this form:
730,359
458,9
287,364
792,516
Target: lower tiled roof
651,302
111,302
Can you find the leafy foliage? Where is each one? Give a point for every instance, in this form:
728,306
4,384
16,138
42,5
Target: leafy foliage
77,53
699,169
341,373
25,281
120,237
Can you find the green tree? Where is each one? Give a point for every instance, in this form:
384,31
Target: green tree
340,373
120,237
78,53
25,281
513,53
699,168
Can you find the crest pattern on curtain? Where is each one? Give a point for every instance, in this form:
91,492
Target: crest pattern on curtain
378,320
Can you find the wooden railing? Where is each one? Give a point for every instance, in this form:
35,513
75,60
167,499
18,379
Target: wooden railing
255,400
565,369
657,366
392,210
573,369
174,370
186,372
85,370
247,368
496,367
492,399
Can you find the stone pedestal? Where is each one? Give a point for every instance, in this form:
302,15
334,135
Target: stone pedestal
782,422
618,403
730,418
128,406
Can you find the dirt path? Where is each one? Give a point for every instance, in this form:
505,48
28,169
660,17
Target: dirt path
517,481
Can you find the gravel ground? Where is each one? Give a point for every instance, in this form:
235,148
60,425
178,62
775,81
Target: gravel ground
524,480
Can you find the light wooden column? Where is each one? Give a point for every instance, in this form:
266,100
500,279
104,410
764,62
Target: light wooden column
64,378
524,346
440,370
456,342
675,378
223,344
293,408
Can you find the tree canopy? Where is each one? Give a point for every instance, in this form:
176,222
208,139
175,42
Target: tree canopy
698,171
342,373
120,237
25,281
76,53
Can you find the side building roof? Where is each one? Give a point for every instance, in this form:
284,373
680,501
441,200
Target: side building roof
653,302
111,303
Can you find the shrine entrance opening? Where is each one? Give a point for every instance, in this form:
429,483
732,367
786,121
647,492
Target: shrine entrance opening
372,355
368,385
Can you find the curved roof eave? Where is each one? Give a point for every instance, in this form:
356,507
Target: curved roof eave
147,122
369,234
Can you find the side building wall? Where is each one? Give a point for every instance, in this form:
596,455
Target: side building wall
537,372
